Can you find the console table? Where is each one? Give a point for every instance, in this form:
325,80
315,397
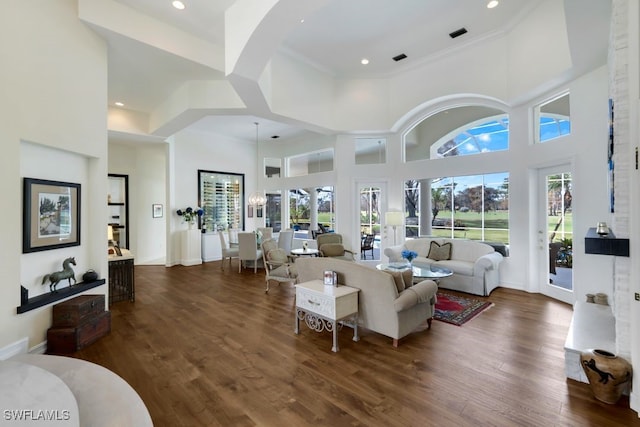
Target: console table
121,278
322,308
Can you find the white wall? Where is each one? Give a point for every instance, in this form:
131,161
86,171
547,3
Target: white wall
145,164
52,125
191,151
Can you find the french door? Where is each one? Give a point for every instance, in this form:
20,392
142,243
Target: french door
555,232
371,208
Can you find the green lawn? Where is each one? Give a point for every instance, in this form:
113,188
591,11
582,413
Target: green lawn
496,223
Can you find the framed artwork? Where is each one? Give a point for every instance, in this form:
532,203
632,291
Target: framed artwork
250,211
610,161
156,210
259,212
50,215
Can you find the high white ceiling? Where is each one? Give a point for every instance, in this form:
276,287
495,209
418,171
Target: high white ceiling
334,39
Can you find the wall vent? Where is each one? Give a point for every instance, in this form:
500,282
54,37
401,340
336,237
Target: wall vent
399,57
458,33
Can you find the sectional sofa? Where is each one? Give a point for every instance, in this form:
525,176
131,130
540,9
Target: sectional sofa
475,265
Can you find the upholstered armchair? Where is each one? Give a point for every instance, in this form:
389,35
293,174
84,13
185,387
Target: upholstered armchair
276,264
330,245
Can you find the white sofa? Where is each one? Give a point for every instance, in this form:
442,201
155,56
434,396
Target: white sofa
475,265
384,306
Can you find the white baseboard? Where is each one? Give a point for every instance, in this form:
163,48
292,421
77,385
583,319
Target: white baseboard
634,402
19,347
39,348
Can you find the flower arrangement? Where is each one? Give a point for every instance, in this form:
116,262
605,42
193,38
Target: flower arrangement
409,255
189,215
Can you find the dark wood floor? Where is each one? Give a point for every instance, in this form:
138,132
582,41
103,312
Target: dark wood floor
207,348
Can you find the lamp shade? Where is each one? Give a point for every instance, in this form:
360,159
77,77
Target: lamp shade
394,218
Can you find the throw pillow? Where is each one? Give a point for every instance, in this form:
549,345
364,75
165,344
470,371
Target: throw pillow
439,253
407,278
277,256
397,278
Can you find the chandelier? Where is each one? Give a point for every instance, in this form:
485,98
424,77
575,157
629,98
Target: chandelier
257,199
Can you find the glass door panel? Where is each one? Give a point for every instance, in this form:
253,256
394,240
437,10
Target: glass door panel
370,203
557,234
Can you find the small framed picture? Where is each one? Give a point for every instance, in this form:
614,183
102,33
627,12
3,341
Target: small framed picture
330,278
156,210
249,211
259,212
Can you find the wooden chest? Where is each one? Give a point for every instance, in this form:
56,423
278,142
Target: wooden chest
71,339
78,323
77,310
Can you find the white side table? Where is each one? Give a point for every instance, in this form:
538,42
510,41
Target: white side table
323,310
305,252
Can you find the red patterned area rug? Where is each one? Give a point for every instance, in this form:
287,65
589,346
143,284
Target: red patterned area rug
458,310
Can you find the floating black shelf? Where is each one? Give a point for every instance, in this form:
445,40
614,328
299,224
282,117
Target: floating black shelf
605,245
48,298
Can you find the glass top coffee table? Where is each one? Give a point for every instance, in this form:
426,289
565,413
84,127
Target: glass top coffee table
420,271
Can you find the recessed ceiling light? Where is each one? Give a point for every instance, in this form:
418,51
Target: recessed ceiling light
119,104
492,4
178,4
364,61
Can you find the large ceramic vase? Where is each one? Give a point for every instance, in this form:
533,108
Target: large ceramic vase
608,374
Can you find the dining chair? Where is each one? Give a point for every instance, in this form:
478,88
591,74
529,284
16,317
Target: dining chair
233,237
366,244
248,250
285,240
227,250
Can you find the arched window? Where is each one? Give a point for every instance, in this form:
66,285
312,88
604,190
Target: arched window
481,136
458,131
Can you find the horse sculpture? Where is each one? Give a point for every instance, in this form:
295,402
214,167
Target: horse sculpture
66,273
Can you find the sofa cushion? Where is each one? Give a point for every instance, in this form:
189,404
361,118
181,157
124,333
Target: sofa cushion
439,252
420,245
469,250
285,271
